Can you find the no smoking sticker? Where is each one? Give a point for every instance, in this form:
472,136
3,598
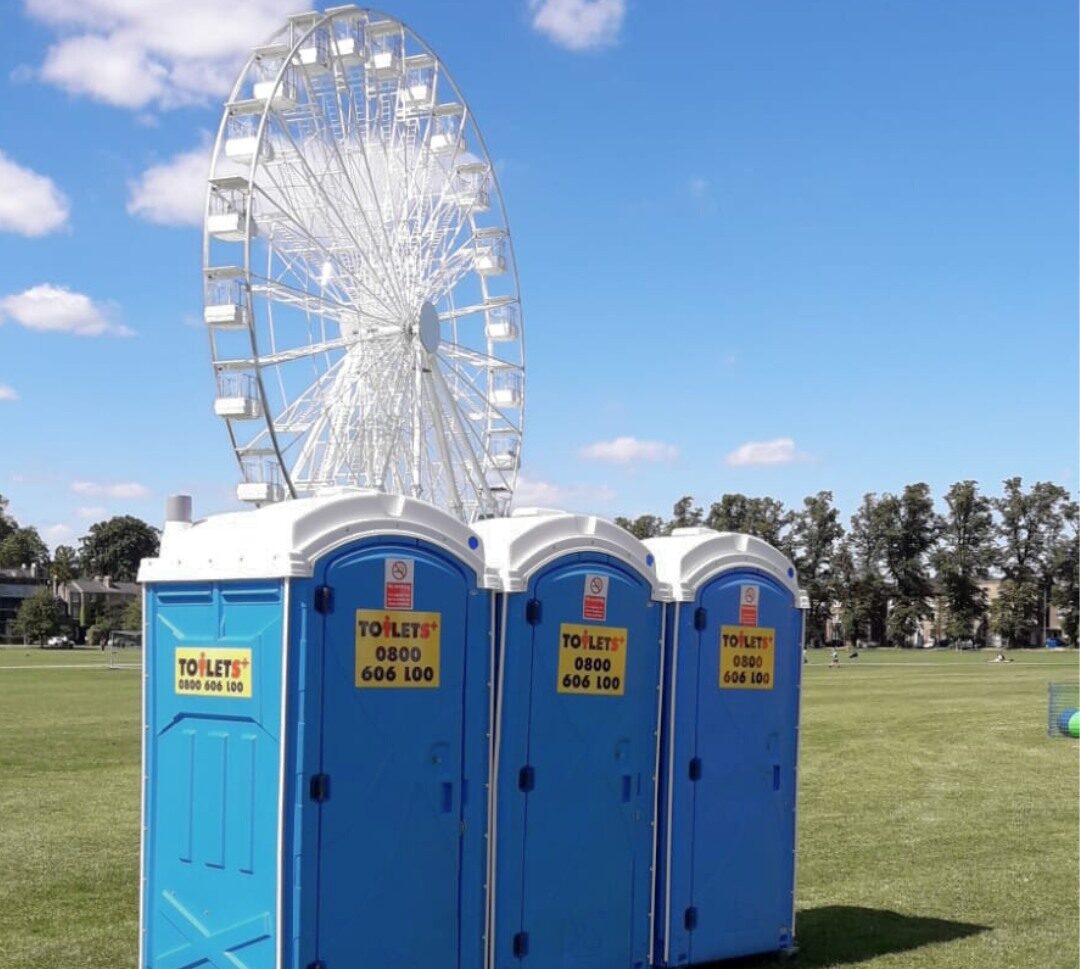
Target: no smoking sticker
748,605
594,600
398,591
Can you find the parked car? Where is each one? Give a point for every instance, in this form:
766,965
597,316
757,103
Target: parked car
58,642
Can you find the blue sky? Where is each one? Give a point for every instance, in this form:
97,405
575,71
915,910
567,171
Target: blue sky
769,247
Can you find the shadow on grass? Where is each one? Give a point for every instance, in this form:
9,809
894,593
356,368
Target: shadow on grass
837,935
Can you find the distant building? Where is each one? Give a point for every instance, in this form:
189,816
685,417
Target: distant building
16,585
86,599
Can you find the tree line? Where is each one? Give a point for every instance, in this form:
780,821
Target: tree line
112,548
898,554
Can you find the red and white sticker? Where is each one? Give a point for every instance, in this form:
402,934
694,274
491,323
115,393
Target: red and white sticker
594,602
398,592
748,605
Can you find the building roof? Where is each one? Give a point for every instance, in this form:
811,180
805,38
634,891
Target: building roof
98,587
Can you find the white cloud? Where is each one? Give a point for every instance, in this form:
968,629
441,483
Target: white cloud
752,453
140,53
536,493
119,489
698,186
626,450
57,309
173,192
55,534
30,204
579,24
90,511
8,392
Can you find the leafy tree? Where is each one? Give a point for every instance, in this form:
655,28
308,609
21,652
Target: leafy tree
23,546
109,618
1032,526
764,518
7,523
1065,565
963,557
39,617
644,526
815,533
132,616
65,564
115,547
862,588
1014,611
910,531
684,514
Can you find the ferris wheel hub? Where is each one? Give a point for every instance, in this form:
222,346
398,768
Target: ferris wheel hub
429,327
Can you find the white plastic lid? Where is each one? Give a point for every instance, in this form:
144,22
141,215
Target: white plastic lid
516,547
287,539
689,557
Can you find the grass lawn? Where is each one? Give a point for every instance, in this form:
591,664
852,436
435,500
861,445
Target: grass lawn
938,823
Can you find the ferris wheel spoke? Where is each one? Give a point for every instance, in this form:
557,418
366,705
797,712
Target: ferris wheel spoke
473,356
320,247
331,206
492,408
439,427
471,462
329,139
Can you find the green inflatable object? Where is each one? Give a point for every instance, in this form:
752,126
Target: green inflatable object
1074,725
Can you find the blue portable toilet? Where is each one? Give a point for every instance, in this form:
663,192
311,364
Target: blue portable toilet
730,726
576,743
317,705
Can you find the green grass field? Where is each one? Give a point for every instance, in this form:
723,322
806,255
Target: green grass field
938,823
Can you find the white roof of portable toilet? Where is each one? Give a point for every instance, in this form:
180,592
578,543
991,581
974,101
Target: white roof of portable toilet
689,557
287,539
532,537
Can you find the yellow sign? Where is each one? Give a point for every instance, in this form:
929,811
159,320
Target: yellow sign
747,658
397,649
592,660
213,671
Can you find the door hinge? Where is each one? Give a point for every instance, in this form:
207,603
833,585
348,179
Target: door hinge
324,599
526,779
700,618
695,768
532,612
319,788
521,945
690,919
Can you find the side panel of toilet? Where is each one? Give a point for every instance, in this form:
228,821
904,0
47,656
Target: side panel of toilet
577,755
389,779
212,793
730,770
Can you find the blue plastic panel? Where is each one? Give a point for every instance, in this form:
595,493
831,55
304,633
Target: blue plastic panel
400,837
727,879
212,791
573,862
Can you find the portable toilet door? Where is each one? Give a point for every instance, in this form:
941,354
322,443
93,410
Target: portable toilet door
730,747
403,750
344,823
576,743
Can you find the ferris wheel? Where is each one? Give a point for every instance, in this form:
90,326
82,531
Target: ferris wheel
360,290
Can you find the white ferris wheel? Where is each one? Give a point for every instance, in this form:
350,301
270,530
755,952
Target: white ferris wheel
361,294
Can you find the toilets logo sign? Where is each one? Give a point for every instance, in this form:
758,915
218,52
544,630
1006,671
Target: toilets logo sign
214,672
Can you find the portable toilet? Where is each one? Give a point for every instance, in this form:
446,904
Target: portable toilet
730,728
579,636
317,704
